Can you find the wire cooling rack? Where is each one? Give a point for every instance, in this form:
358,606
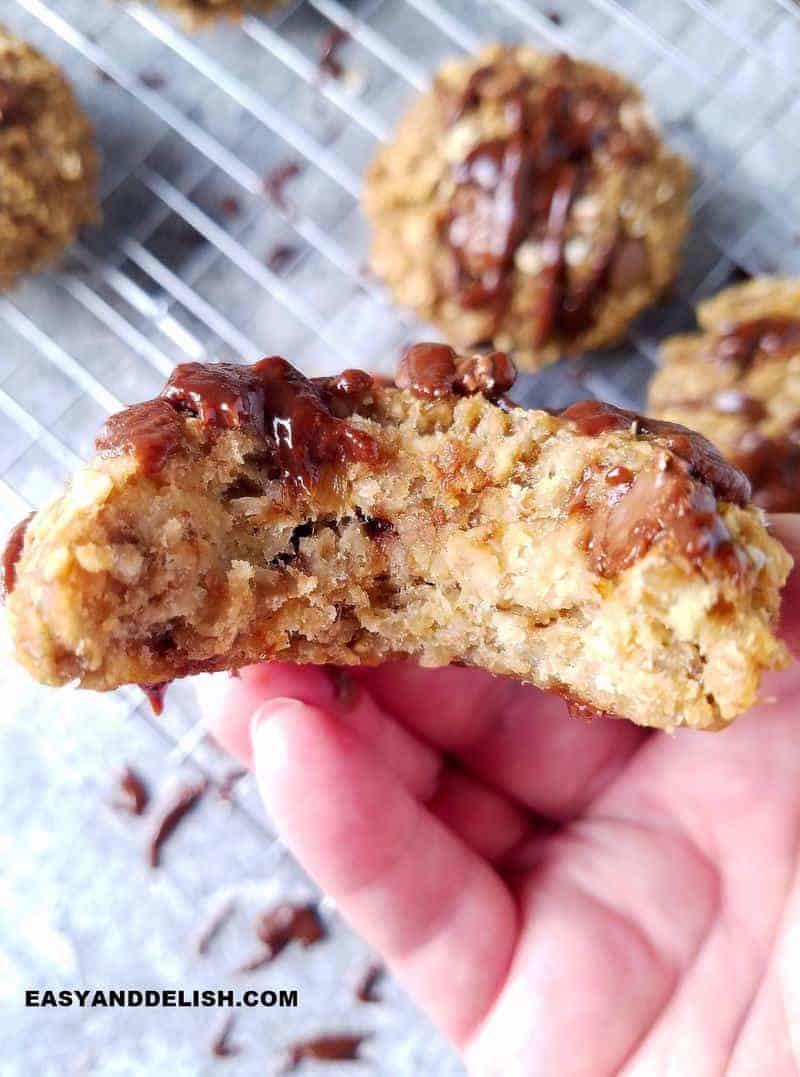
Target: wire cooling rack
231,224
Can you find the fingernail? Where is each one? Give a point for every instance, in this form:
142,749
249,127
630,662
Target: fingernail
265,729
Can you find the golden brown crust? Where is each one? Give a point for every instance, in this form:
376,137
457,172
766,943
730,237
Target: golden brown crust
198,13
618,247
473,537
738,382
48,164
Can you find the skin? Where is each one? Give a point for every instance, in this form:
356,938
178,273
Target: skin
562,899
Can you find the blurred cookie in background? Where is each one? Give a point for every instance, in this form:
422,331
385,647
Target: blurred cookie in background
527,203
197,13
48,164
738,382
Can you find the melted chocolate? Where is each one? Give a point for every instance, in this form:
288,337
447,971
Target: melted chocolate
677,498
773,466
726,402
432,371
343,1047
346,689
524,185
657,504
151,431
132,795
11,99
703,460
762,338
155,694
292,414
184,799
12,554
379,529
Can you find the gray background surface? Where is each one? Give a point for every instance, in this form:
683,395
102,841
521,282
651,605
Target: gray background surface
185,122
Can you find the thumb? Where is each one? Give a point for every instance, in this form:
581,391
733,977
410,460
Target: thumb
433,908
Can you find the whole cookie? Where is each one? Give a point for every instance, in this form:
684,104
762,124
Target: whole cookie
48,165
198,12
738,382
527,202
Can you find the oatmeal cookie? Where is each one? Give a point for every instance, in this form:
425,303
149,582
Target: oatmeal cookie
738,382
48,165
197,13
527,202
249,513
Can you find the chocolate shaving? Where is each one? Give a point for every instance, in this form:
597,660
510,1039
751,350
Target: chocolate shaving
229,206
284,924
153,80
280,256
221,1046
214,923
132,795
171,813
368,980
276,180
329,62
343,1047
229,783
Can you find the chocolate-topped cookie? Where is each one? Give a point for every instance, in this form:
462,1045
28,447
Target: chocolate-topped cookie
48,165
527,203
251,513
738,382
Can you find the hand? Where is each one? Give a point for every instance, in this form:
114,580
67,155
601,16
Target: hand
561,898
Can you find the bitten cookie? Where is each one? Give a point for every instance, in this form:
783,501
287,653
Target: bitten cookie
526,202
199,12
738,382
249,513
48,165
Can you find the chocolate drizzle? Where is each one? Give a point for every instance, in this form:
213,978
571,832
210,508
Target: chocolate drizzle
151,431
293,415
773,466
747,343
521,186
155,695
432,371
676,499
12,554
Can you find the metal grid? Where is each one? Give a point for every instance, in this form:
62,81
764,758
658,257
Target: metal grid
193,261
